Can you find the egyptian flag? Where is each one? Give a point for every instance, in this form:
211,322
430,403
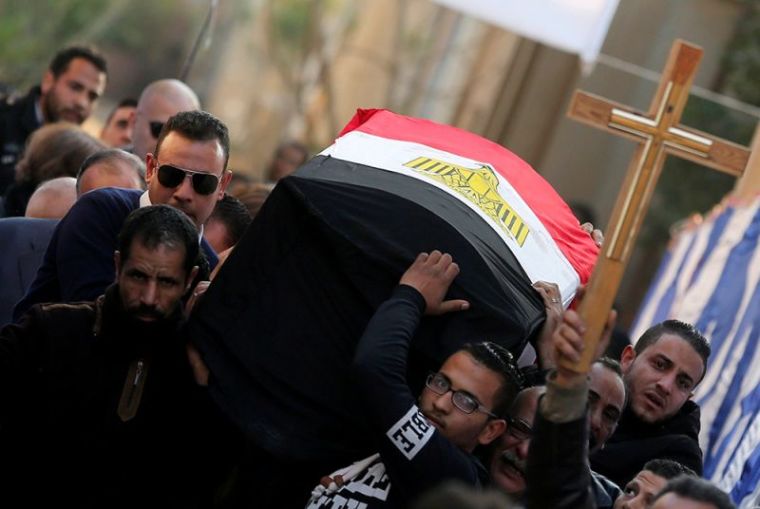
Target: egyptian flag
279,326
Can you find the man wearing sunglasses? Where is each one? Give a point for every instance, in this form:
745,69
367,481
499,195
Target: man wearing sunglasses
187,171
423,442
158,101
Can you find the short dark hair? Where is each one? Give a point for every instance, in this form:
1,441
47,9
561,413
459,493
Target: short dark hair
124,103
668,469
610,364
197,126
498,359
699,490
234,215
685,331
112,154
160,225
63,58
614,366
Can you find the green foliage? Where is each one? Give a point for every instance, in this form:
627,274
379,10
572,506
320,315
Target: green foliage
153,36
741,63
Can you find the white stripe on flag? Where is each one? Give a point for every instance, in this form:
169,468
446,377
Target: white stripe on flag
537,253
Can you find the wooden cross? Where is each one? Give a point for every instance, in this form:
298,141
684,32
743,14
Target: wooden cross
659,134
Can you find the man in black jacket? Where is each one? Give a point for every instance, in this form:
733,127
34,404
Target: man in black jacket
99,401
74,81
422,442
661,421
557,468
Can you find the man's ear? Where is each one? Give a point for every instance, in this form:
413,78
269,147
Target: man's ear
226,177
48,81
493,430
191,278
150,167
627,358
117,262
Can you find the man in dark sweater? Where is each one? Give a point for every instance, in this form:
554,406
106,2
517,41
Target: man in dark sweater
188,171
74,81
100,402
421,446
661,421
558,472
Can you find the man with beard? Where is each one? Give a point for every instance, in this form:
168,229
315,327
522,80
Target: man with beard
74,81
660,421
99,403
187,170
557,469
425,442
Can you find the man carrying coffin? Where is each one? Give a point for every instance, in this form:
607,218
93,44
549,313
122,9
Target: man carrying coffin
459,408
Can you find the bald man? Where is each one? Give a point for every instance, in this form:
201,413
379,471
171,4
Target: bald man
111,168
159,101
52,199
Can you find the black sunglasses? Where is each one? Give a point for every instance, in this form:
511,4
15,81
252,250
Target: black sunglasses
203,183
155,128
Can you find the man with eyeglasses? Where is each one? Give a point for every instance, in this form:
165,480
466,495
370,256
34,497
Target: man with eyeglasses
158,101
187,171
423,441
604,399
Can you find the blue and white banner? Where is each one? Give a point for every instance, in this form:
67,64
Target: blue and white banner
710,277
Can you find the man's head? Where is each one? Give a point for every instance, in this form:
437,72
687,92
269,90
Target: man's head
117,131
52,199
471,390
227,223
508,461
159,101
111,167
188,168
641,491
55,150
158,246
687,492
287,158
661,371
74,81
606,401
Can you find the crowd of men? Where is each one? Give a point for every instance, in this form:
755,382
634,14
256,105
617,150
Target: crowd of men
104,400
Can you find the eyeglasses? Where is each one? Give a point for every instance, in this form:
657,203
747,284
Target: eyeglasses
155,128
518,428
465,402
203,183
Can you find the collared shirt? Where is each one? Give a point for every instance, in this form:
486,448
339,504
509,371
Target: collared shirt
145,202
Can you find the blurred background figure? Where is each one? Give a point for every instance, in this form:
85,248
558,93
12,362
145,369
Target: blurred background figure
252,194
54,150
457,495
227,223
287,158
72,84
158,101
112,167
52,199
117,131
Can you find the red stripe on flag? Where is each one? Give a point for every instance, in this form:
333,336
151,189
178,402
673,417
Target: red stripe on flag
552,211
